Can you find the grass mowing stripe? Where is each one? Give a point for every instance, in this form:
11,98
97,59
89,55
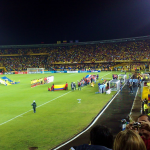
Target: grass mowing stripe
15,117
54,99
39,106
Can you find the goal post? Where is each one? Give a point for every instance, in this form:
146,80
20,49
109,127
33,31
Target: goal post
35,70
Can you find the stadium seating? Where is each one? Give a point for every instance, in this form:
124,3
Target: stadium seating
102,55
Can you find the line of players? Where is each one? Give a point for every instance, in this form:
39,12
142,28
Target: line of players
84,82
81,83
40,81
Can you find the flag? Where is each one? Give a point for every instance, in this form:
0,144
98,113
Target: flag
76,41
64,41
58,42
59,87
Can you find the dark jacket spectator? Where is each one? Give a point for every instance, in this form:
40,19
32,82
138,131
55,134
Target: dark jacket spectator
101,138
89,147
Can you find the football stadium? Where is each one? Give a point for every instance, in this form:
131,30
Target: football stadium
52,95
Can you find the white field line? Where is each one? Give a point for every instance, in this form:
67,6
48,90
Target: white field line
94,121
32,109
38,106
133,104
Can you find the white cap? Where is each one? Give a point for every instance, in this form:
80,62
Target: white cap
34,101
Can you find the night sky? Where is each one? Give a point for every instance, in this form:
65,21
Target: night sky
48,21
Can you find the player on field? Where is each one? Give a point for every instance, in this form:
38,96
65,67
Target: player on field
72,86
79,85
34,106
52,88
31,83
66,86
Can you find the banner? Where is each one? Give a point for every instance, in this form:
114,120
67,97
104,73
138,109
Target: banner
58,42
9,72
49,72
82,71
22,72
59,71
65,41
50,79
33,72
76,41
94,71
72,71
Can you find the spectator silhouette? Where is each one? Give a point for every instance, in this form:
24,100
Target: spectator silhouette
128,140
101,138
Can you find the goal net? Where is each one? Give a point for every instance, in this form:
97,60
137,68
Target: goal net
35,70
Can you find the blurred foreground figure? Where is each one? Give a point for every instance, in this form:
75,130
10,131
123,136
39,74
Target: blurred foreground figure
128,140
101,138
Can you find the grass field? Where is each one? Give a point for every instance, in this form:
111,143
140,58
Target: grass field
59,116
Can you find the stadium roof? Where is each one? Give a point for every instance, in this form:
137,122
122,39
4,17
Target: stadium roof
79,43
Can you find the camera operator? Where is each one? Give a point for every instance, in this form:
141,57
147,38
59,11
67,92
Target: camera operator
142,126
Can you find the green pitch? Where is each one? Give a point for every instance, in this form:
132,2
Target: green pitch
59,116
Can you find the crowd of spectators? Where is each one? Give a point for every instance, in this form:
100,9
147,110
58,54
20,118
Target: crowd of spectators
106,53
15,63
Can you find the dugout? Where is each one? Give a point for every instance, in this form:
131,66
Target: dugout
122,77
114,85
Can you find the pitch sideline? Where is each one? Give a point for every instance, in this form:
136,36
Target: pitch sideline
39,106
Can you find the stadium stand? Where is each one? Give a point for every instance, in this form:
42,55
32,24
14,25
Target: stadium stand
131,53
121,54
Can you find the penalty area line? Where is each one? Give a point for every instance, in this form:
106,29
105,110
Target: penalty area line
32,109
